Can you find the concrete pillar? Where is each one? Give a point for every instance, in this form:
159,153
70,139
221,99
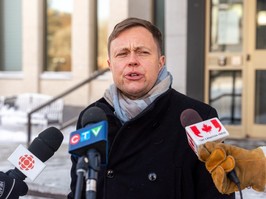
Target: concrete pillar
32,43
176,41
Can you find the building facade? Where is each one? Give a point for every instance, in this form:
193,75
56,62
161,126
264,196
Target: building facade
214,49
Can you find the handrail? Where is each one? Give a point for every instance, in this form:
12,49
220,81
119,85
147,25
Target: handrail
69,123
225,95
94,76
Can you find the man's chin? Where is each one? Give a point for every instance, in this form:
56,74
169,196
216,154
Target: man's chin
133,94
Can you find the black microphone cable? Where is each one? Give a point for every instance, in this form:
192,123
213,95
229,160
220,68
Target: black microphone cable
233,177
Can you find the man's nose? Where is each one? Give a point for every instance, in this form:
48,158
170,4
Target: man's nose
133,61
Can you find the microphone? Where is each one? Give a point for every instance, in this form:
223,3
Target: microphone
199,132
90,144
92,135
43,147
27,162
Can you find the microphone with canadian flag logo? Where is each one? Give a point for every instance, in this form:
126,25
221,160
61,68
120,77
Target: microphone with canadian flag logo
199,132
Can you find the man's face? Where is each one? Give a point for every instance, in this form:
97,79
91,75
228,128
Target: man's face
135,61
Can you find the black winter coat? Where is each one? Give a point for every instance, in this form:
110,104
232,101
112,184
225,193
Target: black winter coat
149,156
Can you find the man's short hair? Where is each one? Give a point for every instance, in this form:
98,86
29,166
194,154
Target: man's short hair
133,22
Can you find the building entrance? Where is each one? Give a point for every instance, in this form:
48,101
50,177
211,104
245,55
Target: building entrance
235,64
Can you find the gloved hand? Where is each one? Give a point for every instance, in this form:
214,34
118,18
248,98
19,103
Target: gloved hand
249,165
11,188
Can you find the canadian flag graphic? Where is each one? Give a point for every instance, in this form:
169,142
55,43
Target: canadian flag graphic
208,126
202,132
26,162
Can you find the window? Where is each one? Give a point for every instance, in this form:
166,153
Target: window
102,33
226,26
58,35
226,95
260,96
261,25
10,35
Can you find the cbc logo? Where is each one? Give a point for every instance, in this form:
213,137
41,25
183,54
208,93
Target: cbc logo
26,162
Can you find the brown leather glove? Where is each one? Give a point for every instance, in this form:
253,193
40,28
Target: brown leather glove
250,166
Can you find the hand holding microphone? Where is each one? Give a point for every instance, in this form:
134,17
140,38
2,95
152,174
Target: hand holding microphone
11,188
250,166
29,163
199,132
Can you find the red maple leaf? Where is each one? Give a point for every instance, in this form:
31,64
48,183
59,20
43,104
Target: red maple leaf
206,128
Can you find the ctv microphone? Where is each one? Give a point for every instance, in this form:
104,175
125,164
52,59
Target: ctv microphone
92,135
42,147
90,144
199,132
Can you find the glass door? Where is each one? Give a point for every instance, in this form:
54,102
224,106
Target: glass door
257,69
226,62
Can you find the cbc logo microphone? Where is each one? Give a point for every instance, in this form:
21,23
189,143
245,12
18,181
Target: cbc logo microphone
26,162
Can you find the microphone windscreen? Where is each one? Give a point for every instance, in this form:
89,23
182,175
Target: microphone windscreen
47,142
93,115
189,117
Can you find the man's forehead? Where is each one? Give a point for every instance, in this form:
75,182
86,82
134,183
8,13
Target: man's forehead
134,42
130,47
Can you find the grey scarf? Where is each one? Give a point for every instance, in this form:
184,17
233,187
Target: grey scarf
125,108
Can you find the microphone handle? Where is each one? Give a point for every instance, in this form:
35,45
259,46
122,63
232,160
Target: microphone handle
90,195
16,174
81,169
92,173
79,185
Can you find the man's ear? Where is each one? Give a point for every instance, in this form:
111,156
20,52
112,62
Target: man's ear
109,63
161,62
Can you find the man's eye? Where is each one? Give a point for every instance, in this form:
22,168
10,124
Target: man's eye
143,52
121,54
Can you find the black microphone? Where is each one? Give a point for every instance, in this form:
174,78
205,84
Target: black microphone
90,144
189,117
92,135
43,147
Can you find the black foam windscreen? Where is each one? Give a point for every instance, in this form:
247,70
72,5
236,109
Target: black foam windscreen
189,117
47,143
93,115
